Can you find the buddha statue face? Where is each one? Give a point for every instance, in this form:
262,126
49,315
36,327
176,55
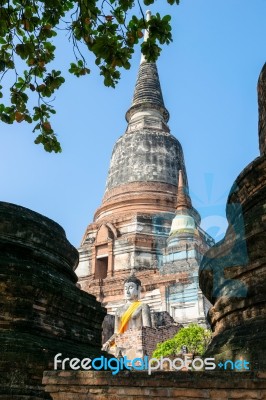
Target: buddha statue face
131,291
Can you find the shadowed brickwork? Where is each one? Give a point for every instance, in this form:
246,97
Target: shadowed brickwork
233,272
43,312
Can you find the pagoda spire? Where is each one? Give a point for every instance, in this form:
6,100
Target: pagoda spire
146,35
147,98
143,173
186,218
183,198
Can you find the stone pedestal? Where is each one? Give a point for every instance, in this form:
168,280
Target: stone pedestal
43,312
142,342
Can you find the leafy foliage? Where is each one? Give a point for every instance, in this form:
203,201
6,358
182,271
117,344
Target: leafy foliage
27,30
193,336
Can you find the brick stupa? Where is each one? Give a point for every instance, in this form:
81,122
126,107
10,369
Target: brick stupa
130,230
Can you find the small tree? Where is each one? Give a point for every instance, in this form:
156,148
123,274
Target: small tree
194,337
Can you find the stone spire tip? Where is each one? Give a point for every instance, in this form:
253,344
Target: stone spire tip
183,198
148,15
146,34
180,179
148,98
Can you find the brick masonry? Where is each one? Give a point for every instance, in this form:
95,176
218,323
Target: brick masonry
141,342
130,230
70,385
233,272
43,312
153,336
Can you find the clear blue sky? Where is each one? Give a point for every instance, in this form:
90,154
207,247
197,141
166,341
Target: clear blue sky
208,77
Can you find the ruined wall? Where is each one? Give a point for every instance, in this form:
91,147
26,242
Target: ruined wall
153,336
43,312
142,342
162,318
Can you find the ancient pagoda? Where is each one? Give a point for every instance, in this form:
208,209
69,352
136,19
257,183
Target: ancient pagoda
146,223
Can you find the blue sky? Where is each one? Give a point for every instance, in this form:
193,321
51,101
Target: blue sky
208,76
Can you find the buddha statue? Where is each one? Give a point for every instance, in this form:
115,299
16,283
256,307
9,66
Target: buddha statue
133,314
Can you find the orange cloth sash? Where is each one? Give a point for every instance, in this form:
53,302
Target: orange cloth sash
127,315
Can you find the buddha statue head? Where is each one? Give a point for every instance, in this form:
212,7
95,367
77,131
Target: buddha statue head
132,287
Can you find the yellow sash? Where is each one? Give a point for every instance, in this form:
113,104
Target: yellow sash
127,315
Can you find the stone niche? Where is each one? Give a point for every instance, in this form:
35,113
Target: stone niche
43,312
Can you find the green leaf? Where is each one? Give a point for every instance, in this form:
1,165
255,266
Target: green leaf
26,31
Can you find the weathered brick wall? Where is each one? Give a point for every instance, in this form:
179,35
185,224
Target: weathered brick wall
152,336
70,385
141,342
161,318
131,343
